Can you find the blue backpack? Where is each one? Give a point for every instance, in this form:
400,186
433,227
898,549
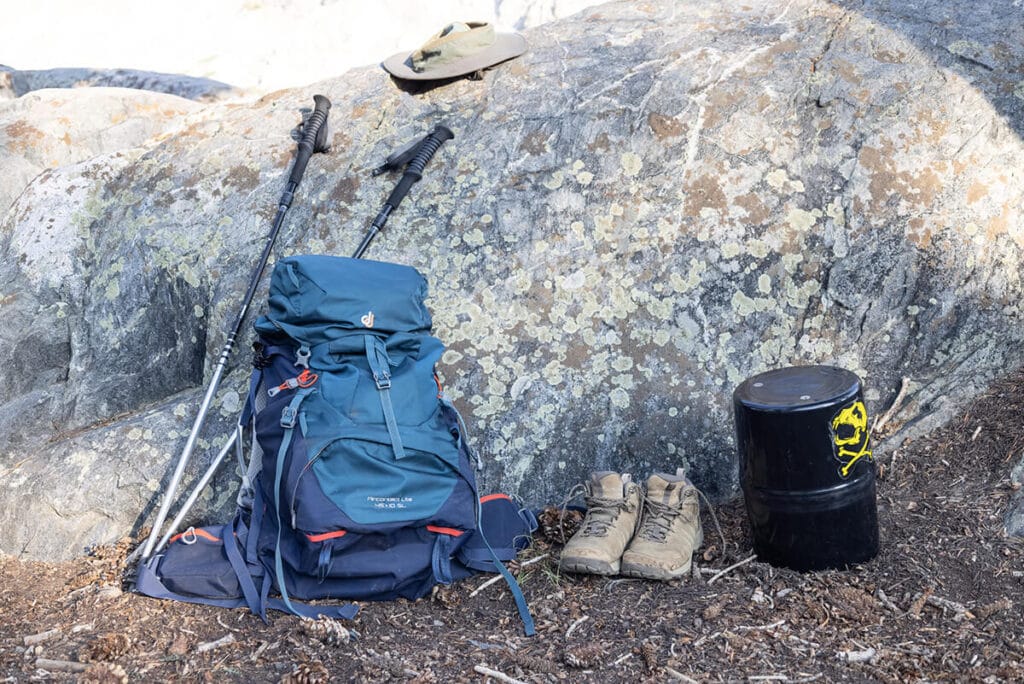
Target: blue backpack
362,484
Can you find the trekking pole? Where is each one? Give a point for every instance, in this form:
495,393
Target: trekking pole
419,153
314,139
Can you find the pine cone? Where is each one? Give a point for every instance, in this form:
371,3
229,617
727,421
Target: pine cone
559,524
326,630
109,646
583,657
531,663
307,673
649,652
104,673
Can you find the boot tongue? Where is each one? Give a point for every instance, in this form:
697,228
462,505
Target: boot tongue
664,488
606,485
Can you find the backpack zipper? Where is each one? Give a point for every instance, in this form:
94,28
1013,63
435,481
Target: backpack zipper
298,480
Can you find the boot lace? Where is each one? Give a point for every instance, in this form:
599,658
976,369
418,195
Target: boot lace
601,514
657,520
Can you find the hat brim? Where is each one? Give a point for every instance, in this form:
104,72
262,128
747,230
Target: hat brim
506,46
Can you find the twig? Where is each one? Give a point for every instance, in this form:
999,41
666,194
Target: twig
230,629
33,639
679,675
498,577
500,676
210,645
886,602
764,627
731,568
857,656
622,659
573,626
893,407
960,610
762,678
698,642
60,665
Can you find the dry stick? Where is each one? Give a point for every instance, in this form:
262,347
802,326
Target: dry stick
60,665
33,639
857,656
500,676
762,627
886,602
714,518
679,675
959,609
210,645
732,567
498,577
573,626
893,407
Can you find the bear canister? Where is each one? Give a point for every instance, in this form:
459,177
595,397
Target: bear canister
806,468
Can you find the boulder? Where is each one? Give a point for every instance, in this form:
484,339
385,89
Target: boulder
655,202
15,83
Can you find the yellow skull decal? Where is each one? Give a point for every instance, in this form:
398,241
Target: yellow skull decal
850,435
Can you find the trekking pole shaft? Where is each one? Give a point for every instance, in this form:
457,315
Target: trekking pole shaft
191,500
211,390
312,141
413,173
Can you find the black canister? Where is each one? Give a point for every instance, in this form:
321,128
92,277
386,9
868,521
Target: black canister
806,467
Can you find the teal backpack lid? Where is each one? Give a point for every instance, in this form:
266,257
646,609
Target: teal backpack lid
317,298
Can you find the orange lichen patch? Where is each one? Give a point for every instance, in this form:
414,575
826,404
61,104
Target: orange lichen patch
720,104
346,189
919,189
602,143
757,212
931,129
664,126
535,143
999,225
847,70
242,176
976,192
889,56
918,233
704,192
22,136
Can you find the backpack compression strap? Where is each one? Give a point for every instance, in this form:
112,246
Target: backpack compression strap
380,366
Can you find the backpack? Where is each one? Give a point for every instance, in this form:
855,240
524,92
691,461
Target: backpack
361,485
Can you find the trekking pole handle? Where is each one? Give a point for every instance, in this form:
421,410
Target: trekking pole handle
414,172
314,137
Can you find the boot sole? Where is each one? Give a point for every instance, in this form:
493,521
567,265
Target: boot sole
647,572
655,573
589,566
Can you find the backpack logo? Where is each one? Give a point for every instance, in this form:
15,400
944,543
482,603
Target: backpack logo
367,320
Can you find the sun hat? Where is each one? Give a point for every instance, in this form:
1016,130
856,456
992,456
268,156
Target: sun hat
457,49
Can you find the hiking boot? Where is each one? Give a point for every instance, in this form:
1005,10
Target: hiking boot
613,508
669,531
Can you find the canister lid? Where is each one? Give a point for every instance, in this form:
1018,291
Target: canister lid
797,388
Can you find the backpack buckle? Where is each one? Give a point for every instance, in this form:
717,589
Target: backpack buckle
383,380
288,417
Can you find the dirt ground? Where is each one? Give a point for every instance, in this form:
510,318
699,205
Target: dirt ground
941,602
